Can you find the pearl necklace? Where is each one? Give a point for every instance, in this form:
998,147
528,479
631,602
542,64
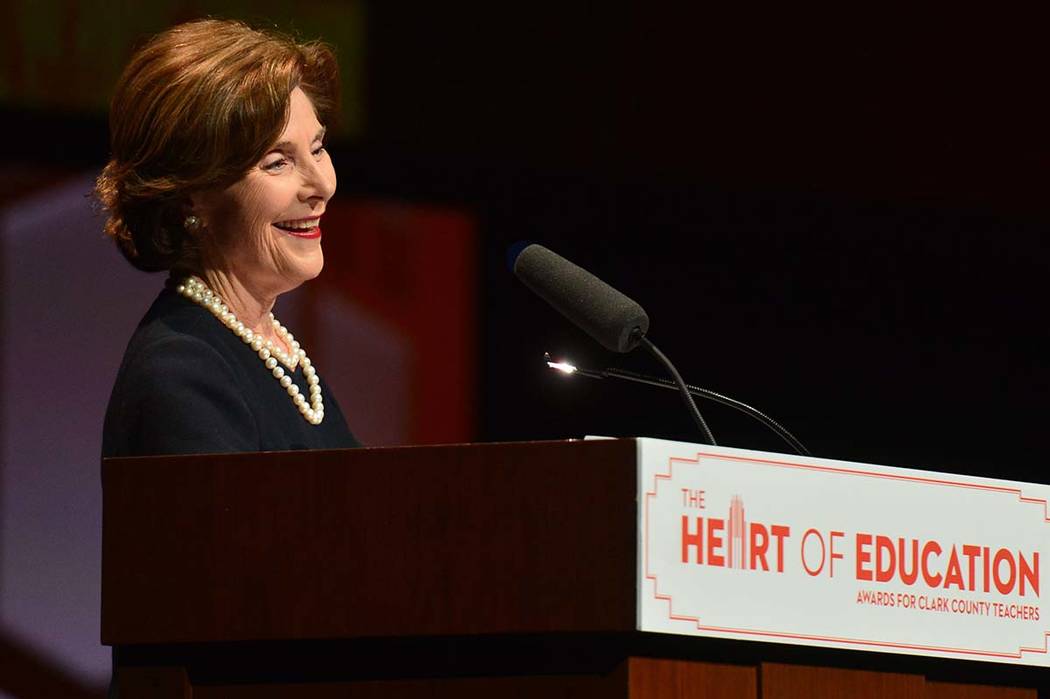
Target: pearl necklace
197,291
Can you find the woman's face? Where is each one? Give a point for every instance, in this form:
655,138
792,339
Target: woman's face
264,230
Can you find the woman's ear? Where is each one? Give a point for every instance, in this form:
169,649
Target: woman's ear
193,216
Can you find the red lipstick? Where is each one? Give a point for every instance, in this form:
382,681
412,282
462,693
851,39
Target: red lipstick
309,233
292,229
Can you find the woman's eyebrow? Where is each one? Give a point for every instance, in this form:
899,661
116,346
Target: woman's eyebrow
288,144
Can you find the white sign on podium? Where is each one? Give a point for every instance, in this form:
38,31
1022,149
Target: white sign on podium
769,547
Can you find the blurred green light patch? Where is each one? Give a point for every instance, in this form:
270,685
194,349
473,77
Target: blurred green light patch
66,56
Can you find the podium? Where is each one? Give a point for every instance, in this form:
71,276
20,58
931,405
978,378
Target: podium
482,570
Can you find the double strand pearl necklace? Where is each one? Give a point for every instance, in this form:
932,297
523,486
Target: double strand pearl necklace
197,291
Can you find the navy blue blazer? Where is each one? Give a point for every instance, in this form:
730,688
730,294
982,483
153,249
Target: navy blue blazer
188,385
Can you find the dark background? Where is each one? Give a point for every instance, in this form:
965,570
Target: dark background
838,219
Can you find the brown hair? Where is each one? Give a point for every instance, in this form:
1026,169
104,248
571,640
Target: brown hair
196,108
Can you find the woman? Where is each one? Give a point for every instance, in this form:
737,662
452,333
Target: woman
219,175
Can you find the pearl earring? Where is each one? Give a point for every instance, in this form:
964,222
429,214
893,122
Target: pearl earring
191,224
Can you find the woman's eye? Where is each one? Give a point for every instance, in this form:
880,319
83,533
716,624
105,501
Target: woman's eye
275,165
317,151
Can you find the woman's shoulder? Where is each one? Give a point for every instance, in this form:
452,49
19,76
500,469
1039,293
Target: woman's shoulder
175,354
172,316
175,331
176,390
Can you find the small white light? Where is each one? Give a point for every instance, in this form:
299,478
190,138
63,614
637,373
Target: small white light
562,366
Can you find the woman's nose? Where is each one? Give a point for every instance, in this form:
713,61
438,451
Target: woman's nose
318,180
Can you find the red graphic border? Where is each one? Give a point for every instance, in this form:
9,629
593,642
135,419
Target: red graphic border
841,471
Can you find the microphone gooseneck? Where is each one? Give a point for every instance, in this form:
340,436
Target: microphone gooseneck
687,397
613,373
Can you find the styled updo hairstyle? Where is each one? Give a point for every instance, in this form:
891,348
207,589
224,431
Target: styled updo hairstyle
197,107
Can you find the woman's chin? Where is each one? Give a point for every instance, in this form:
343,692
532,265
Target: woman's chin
302,267
304,255
310,269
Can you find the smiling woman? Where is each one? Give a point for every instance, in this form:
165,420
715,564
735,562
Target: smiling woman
265,228
219,175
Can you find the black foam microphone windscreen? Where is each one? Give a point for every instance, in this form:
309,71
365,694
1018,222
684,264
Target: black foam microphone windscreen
611,318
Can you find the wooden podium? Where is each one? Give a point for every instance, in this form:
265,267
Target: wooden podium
489,570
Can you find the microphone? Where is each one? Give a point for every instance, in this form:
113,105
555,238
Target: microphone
610,317
614,320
